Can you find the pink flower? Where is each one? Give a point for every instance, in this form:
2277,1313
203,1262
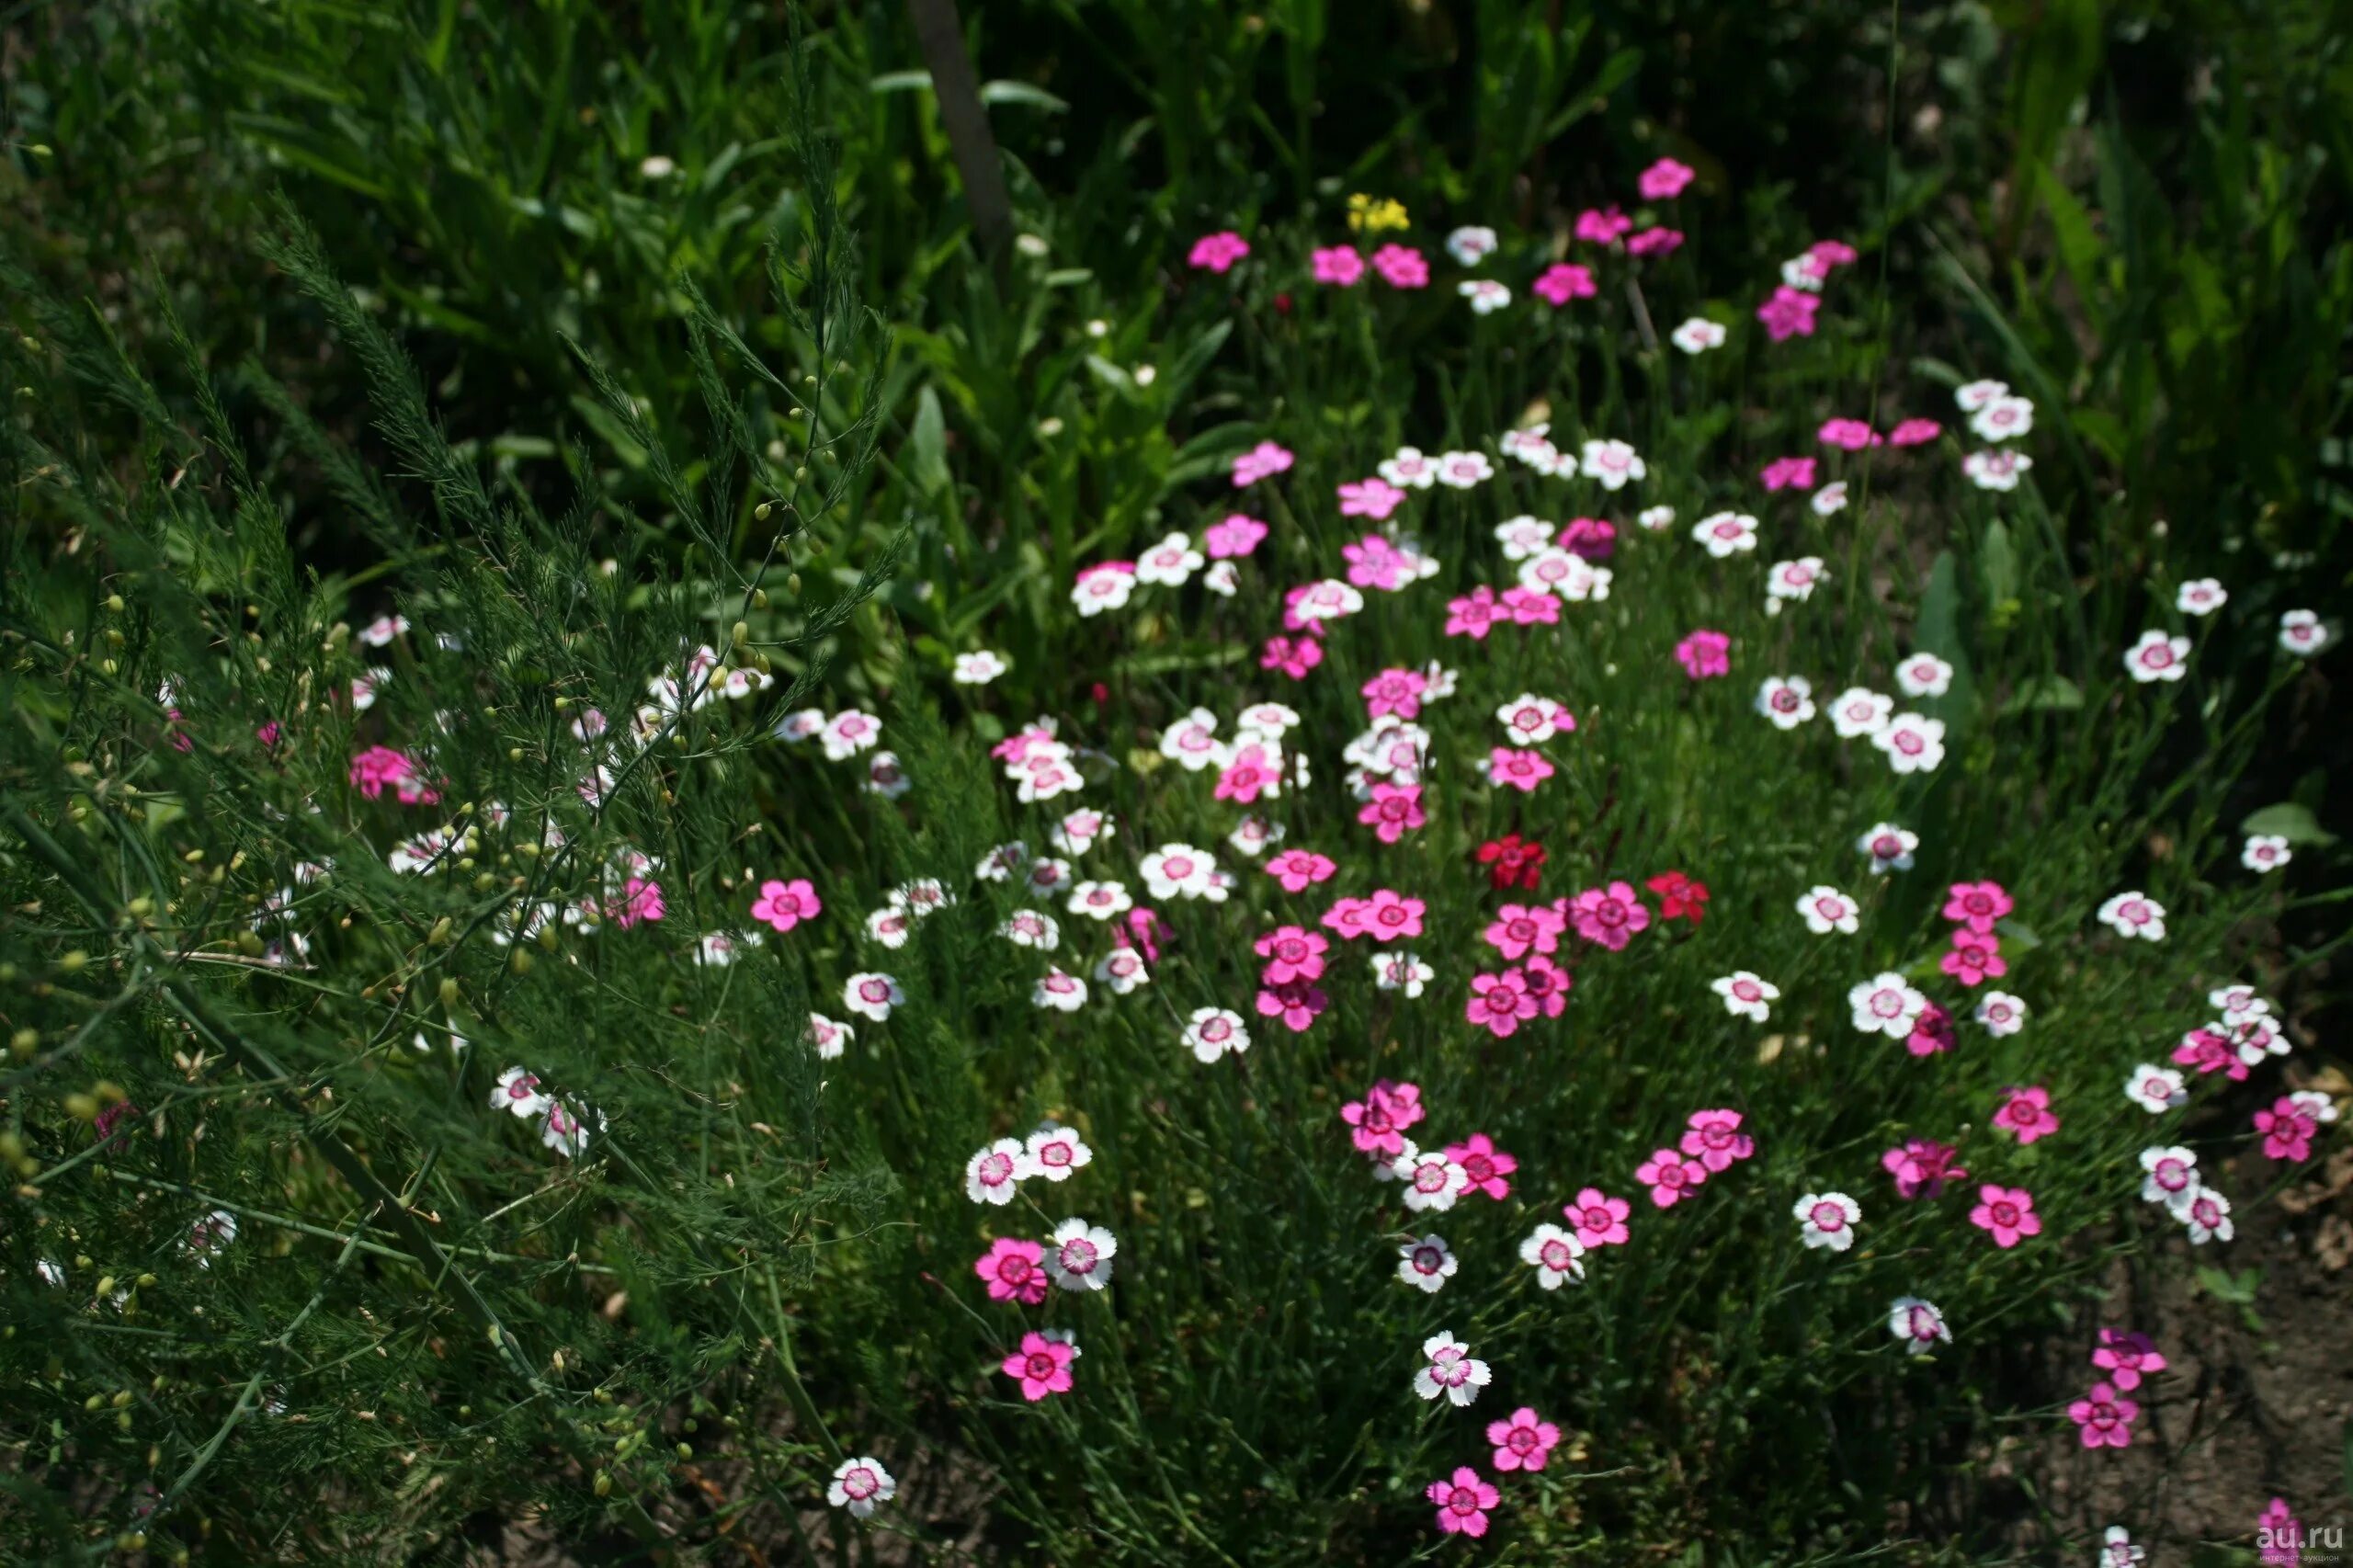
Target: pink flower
1340,266
1602,226
1499,1003
1262,462
640,900
1974,958
1388,916
2280,1535
1295,869
2290,1126
2025,1114
1235,536
1395,810
1042,1365
1655,242
1291,953
1932,1032
1548,982
1847,434
1591,539
1374,563
1704,654
1789,314
2209,1053
379,766
1401,266
1474,616
1599,1219
1523,1442
1254,770
1379,1121
785,904
1486,1164
1462,1502
1295,1002
1977,905
1609,915
1914,432
1670,1177
1394,691
2007,1213
1142,930
2126,1358
1519,930
1789,473
1292,655
267,733
1523,771
1716,1141
1374,498
1831,253
2104,1418
1012,1270
1218,252
1921,1168
1663,181
1347,916
1564,281
1531,606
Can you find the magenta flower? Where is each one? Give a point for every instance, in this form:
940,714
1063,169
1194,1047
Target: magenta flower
1295,1002
377,766
1042,1365
1977,905
1914,432
1564,281
1531,606
1789,473
1347,916
2289,1126
1500,1003
1291,953
640,901
1521,769
1292,655
1013,1271
1374,563
1921,1168
2280,1536
1591,539
1847,434
1254,770
1397,691
1602,226
1670,1177
2209,1053
1218,252
1379,1121
1548,982
1715,1140
2127,1358
1975,957
1608,915
1295,869
1932,1032
1486,1165
1388,916
1519,929
1831,253
1474,616
1523,1442
1395,810
1340,266
1143,930
785,904
2007,1213
1235,536
1663,181
1462,1502
2104,1418
1401,266
2025,1114
1655,242
1374,498
1789,314
1704,654
1599,1219
1262,462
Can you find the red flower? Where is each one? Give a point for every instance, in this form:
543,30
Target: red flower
1513,864
1679,898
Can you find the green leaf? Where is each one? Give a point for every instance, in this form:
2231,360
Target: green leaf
2292,822
927,445
995,93
2045,694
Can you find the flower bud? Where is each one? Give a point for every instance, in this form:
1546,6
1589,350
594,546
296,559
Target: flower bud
450,991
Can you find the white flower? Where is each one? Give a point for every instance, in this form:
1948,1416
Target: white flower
2301,632
2257,1036
1270,718
208,1235
1054,1151
1429,1263
888,927
991,1176
849,732
1080,830
885,777
1078,1256
2001,1013
1885,1005
1924,675
2134,914
1698,334
1918,1324
1523,537
799,725
921,897
1612,463
1655,520
1031,928
2157,657
1170,563
1431,1179
1556,1254
859,1485
2117,1550
1913,745
1787,700
379,632
2238,1002
1452,1370
1409,470
1827,1219
2002,419
2155,1090
1211,1032
1252,837
1461,470
1804,272
1528,445
871,995
1486,295
1830,500
364,689
1122,970
1192,742
1977,394
2206,1213
1562,573
1532,719
724,948
1063,993
1223,579
518,1091
979,669
1179,870
1889,845
826,1038
1725,534
2172,1173
2200,596
1329,599
1996,470
1794,579
1826,910
565,1131
1401,971
1471,244
2265,852
1102,587
999,864
1099,901
1746,995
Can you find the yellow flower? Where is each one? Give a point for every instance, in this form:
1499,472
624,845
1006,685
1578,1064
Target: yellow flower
1371,215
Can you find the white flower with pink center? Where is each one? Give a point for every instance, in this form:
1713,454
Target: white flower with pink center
1746,995
1525,537
2005,418
849,732
1613,464
1556,1254
1912,744
1122,970
1826,909
2200,596
1031,928
1995,469
1046,878
1099,588
1827,1219
2156,1089
1081,830
1976,395
979,669
2134,913
1794,580
2301,633
1924,675
992,1174
859,1486
888,927
1179,870
1401,971
1427,1263
1787,700
1099,900
1697,336
1917,1325
1191,742
1886,1005
1486,295
1409,470
1725,534
517,1090
1058,992
1078,1256
1532,719
1461,470
871,995
2265,852
1452,1370
826,1038
1170,563
2171,1174
1054,1151
1889,846
1212,1032
2205,1214
2157,657
1859,710
999,864
2001,1014
1431,1179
